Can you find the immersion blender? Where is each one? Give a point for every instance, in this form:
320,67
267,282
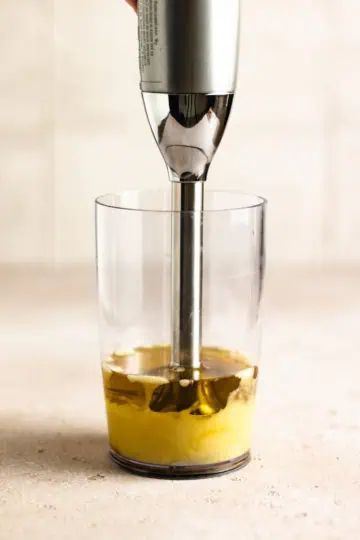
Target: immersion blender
188,55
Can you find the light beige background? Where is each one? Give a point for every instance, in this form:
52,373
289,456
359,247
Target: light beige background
72,125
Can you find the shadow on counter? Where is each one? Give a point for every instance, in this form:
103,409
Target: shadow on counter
26,451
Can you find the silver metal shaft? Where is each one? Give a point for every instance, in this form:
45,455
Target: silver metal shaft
188,129
187,269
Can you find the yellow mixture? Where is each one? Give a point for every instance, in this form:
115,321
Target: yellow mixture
169,416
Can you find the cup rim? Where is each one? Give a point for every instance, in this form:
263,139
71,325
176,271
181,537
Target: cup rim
104,200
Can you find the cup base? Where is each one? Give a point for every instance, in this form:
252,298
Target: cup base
179,472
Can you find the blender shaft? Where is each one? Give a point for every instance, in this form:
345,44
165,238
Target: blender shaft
188,129
187,270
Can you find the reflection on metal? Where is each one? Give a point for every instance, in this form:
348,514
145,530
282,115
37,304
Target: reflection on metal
188,129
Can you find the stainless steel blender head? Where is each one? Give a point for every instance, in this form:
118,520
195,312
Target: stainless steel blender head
188,55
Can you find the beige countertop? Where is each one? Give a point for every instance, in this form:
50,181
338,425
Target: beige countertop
56,481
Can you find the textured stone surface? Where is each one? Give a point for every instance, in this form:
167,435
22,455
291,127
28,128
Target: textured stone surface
56,481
